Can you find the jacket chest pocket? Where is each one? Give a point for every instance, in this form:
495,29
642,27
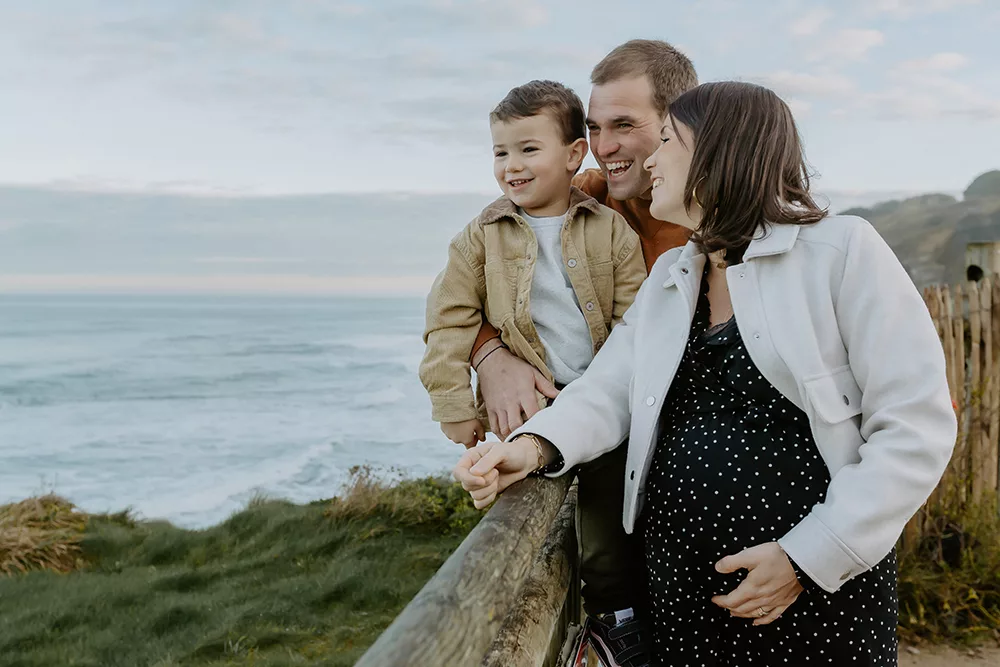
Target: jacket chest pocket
835,397
502,278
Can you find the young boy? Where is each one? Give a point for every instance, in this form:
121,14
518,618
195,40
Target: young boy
550,268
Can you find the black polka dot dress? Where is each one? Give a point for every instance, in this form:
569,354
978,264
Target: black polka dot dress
736,466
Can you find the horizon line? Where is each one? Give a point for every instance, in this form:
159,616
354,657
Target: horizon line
235,193
217,285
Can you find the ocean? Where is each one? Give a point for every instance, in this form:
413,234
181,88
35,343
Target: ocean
185,408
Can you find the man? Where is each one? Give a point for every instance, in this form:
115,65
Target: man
632,87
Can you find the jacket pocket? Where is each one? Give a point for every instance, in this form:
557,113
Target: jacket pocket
835,397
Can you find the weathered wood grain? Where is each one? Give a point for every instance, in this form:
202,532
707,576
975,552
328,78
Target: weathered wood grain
454,618
530,635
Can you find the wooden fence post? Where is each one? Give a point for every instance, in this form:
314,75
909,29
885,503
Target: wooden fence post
994,466
975,391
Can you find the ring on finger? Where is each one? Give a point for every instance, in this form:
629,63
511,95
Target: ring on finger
761,612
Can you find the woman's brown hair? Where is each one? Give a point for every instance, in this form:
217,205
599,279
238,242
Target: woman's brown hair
747,165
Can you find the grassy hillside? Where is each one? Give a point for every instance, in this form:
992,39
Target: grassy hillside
276,584
929,233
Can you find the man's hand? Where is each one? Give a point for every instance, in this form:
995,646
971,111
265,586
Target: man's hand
468,433
487,469
508,385
770,585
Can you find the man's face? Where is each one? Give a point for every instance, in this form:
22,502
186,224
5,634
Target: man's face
624,131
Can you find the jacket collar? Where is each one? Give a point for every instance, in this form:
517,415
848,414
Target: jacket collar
504,208
773,240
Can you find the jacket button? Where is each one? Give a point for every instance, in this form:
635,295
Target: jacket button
590,305
743,275
631,475
847,401
571,263
845,576
684,271
756,336
650,400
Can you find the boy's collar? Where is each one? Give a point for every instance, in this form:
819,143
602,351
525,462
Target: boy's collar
504,208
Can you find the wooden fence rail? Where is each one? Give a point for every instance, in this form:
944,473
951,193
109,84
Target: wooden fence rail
507,596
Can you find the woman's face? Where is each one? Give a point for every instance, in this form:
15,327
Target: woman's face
668,169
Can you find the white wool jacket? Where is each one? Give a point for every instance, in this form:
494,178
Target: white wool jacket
830,318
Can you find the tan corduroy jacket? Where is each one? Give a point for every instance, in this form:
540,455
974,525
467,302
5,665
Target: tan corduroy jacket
488,276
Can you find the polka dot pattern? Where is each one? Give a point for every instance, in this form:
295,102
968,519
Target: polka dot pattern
736,466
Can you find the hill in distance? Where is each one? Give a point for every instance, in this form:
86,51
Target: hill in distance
929,233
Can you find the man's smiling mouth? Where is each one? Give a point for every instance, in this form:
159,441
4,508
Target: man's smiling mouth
618,168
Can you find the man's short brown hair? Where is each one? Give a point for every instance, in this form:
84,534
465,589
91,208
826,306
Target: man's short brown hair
670,72
536,97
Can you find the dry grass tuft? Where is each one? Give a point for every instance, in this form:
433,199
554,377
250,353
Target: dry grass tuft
41,533
949,581
423,502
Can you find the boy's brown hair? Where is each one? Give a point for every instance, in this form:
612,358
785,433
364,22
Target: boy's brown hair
535,97
670,72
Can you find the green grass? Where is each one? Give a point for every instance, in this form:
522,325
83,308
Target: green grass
276,584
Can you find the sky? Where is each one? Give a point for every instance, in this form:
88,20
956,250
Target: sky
258,97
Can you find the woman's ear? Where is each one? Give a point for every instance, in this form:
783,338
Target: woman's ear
577,152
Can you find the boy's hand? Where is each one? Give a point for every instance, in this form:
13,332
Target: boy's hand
468,433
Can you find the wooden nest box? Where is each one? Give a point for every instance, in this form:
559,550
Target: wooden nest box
982,260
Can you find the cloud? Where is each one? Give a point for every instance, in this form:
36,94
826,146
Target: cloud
923,88
798,107
511,13
958,101
937,64
810,23
849,44
908,8
802,84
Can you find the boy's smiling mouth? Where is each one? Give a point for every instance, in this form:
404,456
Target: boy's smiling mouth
519,182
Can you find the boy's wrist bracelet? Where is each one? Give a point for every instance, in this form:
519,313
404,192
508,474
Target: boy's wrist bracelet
476,367
479,349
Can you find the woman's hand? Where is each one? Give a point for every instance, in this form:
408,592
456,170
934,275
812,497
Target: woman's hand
487,469
770,585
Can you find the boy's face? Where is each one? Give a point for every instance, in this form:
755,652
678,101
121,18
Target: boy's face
624,130
533,166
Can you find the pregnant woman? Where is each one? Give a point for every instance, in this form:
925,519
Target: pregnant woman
783,395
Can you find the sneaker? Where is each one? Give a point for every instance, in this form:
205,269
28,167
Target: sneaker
618,644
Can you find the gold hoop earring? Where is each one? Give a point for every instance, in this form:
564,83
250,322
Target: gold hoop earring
694,193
